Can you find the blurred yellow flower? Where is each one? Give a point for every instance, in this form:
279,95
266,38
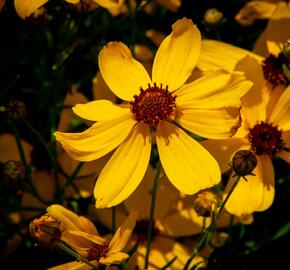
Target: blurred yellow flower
82,236
174,217
278,27
211,101
266,131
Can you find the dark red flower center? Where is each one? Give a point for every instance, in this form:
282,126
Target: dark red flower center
141,230
265,139
153,105
273,71
96,252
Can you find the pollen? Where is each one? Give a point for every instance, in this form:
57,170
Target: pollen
265,139
153,105
273,71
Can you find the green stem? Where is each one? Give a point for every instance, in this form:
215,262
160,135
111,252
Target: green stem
206,235
151,218
76,255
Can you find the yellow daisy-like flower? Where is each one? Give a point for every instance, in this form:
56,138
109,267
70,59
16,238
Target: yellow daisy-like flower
208,107
82,236
278,27
266,131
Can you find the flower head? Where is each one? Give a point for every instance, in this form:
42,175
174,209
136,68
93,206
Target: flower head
82,236
164,104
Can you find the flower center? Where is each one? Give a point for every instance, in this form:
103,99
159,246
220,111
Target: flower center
96,252
153,105
141,230
265,139
273,71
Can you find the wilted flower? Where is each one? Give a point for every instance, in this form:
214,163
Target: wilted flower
82,236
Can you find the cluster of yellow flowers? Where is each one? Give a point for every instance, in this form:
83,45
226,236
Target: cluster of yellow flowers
201,102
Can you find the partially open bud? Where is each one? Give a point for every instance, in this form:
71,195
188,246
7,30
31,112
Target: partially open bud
46,230
286,48
205,203
13,170
213,16
16,109
244,162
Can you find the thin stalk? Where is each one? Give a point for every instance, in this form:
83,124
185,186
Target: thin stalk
151,218
76,255
206,235
113,219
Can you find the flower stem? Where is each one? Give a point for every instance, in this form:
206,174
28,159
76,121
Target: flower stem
113,219
204,239
76,255
151,218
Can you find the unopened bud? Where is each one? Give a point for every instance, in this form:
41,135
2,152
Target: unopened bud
213,16
205,203
46,230
286,48
13,170
16,109
244,162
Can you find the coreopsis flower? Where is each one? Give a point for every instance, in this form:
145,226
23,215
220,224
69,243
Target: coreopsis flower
265,131
161,104
82,236
277,30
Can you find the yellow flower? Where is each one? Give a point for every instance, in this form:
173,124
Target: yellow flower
211,101
278,27
82,236
265,131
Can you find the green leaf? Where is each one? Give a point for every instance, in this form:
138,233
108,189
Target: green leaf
282,231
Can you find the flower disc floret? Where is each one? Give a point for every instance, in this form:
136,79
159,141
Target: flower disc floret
265,139
96,252
153,105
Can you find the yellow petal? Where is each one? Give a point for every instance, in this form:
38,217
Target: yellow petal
278,28
122,73
123,233
255,100
223,150
125,170
73,1
214,90
255,10
196,169
260,46
281,112
172,5
255,194
184,223
164,250
100,110
177,55
25,8
98,140
216,54
92,238
114,258
210,123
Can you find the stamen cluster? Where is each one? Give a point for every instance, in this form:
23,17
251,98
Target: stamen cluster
265,139
273,71
153,105
96,252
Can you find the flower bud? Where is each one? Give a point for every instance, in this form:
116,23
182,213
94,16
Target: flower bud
16,109
244,162
213,16
286,48
46,230
205,203
13,170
